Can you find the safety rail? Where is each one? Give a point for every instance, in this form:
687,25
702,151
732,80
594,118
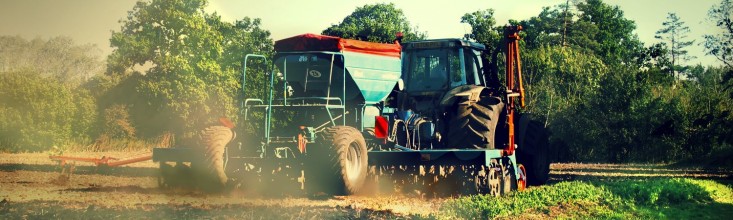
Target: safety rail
285,100
325,101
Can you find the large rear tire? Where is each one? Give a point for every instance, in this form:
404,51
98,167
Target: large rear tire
341,161
537,162
215,139
473,125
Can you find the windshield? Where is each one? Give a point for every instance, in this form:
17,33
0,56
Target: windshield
433,69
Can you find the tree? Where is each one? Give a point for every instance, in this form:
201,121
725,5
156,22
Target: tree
560,82
545,29
708,110
612,33
42,101
376,23
675,32
483,28
58,57
38,112
720,44
485,31
559,26
588,26
654,57
195,59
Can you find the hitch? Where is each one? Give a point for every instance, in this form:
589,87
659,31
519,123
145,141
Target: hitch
104,161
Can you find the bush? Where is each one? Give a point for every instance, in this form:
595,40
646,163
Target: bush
38,112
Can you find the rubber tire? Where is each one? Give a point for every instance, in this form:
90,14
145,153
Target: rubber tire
339,174
474,125
509,182
536,163
214,139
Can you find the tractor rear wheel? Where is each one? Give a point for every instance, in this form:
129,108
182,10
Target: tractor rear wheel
536,162
473,125
340,161
215,139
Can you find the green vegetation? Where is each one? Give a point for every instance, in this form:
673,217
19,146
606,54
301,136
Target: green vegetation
606,97
196,61
41,103
719,44
675,32
39,112
676,198
377,23
175,69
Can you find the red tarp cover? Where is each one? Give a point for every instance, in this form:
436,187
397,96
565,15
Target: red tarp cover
315,42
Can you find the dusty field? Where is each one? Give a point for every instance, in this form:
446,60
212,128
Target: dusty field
30,188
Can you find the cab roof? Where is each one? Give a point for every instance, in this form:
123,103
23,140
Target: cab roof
442,43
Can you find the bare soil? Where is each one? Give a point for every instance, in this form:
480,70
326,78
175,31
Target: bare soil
32,186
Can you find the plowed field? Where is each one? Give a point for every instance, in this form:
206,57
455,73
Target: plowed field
32,186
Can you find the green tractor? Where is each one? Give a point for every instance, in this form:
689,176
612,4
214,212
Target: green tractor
357,108
451,92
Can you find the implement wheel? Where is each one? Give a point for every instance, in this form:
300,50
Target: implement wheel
522,181
509,181
215,139
175,176
339,161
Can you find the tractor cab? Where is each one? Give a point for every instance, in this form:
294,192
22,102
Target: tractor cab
436,66
432,68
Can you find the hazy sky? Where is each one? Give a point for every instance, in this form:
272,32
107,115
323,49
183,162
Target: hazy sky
91,21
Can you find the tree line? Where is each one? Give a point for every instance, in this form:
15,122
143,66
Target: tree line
175,69
606,97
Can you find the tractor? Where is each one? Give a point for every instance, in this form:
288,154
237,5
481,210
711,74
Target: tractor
349,110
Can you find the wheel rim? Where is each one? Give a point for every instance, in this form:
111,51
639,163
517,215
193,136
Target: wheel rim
481,181
494,182
353,156
522,181
506,180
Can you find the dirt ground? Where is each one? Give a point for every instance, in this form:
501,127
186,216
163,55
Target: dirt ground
31,186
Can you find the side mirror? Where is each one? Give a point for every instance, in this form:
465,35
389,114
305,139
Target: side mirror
400,85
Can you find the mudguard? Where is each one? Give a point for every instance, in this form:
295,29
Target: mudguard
466,94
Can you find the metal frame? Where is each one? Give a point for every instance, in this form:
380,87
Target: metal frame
434,157
328,106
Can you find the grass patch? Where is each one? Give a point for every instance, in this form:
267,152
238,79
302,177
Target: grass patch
659,191
539,199
661,198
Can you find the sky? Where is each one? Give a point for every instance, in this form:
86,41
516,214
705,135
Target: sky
91,21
